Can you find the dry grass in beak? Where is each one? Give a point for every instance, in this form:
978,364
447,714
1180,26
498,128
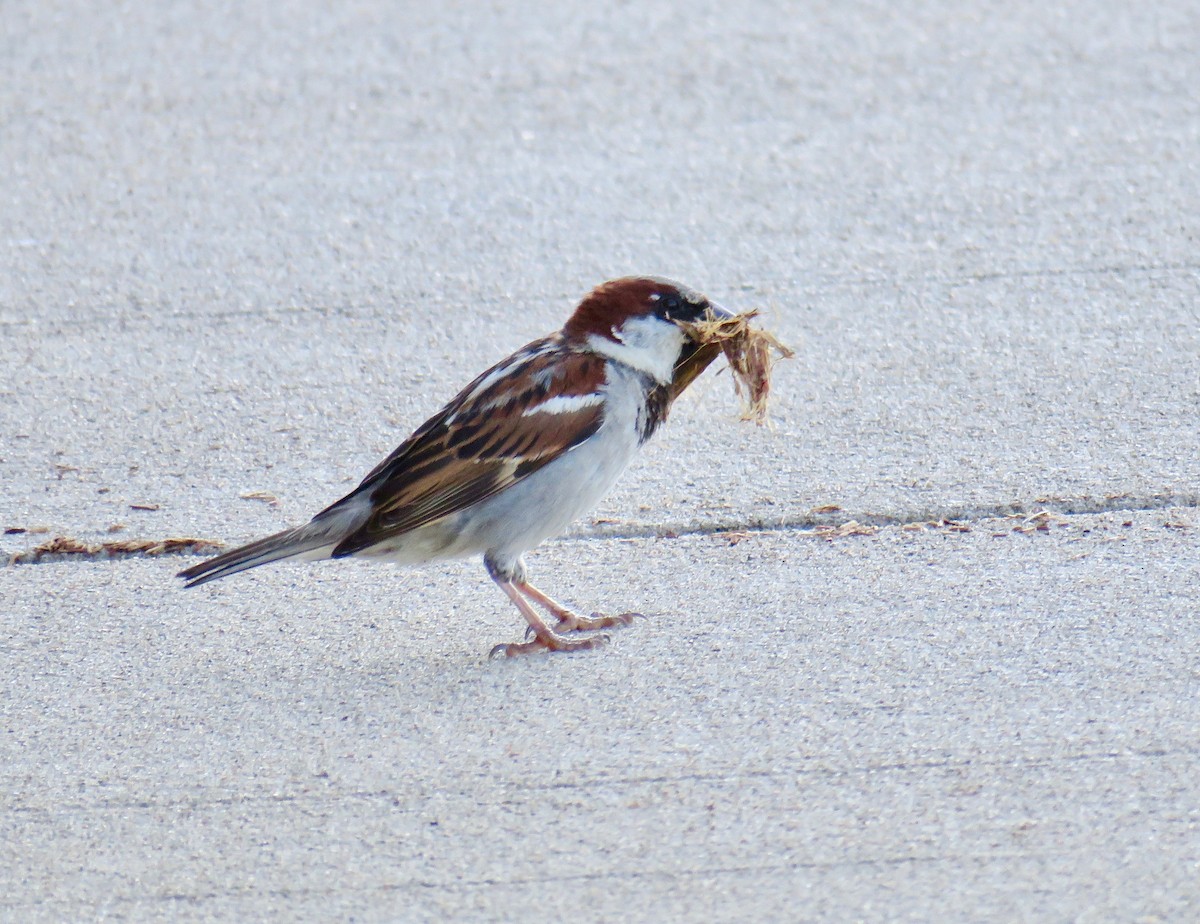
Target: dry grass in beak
748,351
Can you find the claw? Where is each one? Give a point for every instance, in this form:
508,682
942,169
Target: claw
574,623
541,637
619,619
550,642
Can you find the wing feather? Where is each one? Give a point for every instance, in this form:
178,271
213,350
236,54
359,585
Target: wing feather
488,438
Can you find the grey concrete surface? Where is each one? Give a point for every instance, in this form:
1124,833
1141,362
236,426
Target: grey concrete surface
247,248
912,725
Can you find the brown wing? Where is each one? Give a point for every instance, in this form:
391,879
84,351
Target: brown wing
485,440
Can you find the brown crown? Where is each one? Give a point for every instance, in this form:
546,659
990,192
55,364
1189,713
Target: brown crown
610,303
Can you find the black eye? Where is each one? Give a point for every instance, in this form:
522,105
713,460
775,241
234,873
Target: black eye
669,306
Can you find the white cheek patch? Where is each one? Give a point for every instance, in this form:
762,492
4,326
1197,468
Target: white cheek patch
647,344
564,404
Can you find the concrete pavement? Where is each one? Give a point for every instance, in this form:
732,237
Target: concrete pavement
247,250
989,724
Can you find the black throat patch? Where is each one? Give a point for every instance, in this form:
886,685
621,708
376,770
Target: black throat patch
654,413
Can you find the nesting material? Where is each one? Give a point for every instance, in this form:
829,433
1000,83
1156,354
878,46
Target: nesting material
751,354
62,548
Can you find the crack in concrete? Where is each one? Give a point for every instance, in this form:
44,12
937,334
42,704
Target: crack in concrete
832,517
828,522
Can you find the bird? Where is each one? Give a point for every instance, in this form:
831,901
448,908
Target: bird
526,448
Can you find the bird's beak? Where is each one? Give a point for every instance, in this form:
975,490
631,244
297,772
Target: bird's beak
719,312
696,357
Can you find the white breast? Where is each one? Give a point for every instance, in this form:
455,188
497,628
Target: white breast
648,344
549,500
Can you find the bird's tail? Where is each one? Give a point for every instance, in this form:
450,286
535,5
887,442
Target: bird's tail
303,540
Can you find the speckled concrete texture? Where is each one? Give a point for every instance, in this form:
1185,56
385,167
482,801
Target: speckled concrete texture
246,249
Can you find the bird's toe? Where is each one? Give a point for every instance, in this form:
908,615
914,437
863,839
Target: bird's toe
549,641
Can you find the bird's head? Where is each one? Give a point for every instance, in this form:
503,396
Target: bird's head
633,320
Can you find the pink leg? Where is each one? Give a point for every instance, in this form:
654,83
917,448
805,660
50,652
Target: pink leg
544,638
568,621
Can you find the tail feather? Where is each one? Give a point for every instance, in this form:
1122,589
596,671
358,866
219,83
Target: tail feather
287,544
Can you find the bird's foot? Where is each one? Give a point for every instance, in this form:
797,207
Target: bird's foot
572,622
548,641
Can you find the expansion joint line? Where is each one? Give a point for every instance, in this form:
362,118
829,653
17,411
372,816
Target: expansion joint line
827,522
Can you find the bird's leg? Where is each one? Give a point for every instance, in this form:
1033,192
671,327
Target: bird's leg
567,620
544,638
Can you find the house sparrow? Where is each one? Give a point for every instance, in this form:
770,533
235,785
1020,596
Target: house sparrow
527,447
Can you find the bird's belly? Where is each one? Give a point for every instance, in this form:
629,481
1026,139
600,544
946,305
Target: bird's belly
548,501
437,541
519,518
540,506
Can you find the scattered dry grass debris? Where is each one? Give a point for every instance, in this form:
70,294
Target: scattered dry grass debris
1039,522
64,548
951,526
849,528
749,353
265,496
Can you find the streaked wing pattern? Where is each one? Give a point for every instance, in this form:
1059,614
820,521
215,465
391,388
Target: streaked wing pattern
488,438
